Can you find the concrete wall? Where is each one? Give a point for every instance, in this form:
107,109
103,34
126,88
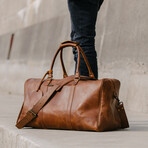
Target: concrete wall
18,14
123,48
40,25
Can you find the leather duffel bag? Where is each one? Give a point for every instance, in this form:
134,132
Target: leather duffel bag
75,102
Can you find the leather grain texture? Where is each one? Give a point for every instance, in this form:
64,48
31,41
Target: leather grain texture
78,104
89,105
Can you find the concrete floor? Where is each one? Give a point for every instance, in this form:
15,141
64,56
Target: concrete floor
10,137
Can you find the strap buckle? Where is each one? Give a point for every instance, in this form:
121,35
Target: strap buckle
33,113
117,98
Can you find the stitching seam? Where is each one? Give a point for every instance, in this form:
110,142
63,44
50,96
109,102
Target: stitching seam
73,90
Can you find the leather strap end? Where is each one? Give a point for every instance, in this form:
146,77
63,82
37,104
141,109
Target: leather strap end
29,117
32,114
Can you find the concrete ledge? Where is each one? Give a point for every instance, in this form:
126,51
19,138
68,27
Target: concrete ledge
10,137
39,42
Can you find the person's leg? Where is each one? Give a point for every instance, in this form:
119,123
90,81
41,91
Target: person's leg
83,20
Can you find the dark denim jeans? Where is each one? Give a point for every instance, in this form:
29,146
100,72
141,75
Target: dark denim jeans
83,15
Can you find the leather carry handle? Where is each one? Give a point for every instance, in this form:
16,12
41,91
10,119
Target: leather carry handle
73,42
61,58
79,50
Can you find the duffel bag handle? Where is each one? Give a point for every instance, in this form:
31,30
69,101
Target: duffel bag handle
79,50
61,58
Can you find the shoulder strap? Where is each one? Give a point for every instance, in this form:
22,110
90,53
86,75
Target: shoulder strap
32,114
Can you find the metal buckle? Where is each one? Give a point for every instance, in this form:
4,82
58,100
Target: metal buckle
120,103
117,98
34,114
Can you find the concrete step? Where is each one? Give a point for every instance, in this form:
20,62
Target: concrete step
11,137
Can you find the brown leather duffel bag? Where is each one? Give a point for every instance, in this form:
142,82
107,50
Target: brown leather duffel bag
74,102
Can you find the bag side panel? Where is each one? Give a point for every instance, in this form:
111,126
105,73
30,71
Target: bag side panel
120,107
108,118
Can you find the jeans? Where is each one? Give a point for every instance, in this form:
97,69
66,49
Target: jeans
83,14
